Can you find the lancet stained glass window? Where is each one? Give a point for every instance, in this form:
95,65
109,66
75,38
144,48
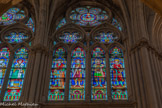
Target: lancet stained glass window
30,24
58,73
116,24
4,59
106,37
61,23
16,37
17,74
90,16
98,67
117,73
70,37
77,74
11,16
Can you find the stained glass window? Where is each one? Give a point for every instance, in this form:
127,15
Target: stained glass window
58,73
77,75
70,37
17,74
4,59
116,24
98,67
11,16
88,16
16,37
117,73
61,23
106,37
30,24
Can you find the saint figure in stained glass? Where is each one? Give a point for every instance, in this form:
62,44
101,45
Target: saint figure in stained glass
117,73
98,65
17,74
77,75
58,73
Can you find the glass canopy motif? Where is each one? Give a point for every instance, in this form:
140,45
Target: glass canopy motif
117,73
106,37
16,37
87,16
70,37
11,16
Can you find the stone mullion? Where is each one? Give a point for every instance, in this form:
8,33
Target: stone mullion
5,82
90,76
28,77
47,74
147,79
67,79
87,77
35,74
108,77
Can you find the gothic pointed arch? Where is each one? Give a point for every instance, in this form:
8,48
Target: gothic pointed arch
17,36
89,29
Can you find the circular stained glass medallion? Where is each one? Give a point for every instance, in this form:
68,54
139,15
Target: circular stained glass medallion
88,17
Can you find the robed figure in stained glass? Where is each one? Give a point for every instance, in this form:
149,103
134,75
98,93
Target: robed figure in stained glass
117,70
98,65
77,75
58,72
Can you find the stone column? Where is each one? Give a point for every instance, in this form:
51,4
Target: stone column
41,53
67,80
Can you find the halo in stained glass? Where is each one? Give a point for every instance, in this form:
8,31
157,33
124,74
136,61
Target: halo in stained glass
11,16
87,16
70,37
106,37
16,37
